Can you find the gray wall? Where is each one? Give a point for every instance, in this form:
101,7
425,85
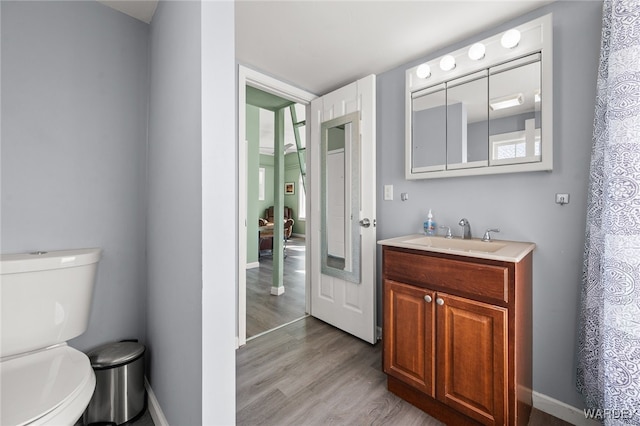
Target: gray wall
74,112
77,171
522,205
174,241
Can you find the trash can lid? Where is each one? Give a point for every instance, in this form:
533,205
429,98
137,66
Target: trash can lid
115,354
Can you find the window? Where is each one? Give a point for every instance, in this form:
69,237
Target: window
261,183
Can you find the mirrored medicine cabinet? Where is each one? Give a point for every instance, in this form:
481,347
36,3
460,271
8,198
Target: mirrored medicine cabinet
483,109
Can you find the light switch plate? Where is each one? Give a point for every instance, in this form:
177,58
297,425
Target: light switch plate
388,192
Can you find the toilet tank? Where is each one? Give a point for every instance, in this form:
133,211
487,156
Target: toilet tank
45,297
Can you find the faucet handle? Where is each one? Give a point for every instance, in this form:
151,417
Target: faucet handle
487,234
448,231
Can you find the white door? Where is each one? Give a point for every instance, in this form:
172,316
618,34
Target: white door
347,305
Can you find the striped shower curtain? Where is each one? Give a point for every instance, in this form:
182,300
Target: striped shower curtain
608,373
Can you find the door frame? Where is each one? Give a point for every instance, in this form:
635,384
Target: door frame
247,76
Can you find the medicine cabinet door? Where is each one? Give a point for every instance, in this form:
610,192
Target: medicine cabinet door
428,130
467,122
515,113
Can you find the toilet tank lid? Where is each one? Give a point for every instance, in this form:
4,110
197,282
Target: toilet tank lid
46,260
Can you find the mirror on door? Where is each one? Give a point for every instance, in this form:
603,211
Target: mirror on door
340,197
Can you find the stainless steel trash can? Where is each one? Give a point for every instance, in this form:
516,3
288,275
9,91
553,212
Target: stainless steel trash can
120,394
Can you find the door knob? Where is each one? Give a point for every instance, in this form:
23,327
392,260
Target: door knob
427,298
365,223
439,301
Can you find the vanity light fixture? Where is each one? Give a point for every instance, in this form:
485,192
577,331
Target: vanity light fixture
423,71
447,63
476,52
510,39
506,102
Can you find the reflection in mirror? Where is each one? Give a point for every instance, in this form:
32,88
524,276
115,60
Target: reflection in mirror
428,130
467,124
340,197
514,113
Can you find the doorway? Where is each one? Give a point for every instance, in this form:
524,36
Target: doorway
255,275
275,275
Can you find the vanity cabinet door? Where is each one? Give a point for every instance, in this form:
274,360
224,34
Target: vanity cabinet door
472,358
409,325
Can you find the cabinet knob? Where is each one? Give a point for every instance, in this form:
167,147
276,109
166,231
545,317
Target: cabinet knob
427,298
439,301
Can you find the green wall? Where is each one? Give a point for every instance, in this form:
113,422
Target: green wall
255,207
292,174
253,159
266,161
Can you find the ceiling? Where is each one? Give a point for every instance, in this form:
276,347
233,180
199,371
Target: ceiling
139,9
320,45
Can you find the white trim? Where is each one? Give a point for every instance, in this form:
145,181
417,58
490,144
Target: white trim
247,76
241,321
276,328
252,265
277,291
154,406
561,410
378,332
275,87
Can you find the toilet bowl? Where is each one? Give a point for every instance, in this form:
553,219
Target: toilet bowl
45,301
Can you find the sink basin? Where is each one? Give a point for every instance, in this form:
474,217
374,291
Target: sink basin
457,244
510,251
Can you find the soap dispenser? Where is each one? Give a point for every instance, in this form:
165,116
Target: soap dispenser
430,225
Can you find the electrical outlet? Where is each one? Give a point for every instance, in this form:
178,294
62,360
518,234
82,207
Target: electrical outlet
562,199
388,192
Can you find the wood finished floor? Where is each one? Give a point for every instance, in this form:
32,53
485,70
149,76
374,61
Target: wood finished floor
310,373
265,311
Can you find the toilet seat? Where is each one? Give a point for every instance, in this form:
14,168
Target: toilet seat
50,386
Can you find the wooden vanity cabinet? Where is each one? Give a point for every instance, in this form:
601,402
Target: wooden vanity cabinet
457,335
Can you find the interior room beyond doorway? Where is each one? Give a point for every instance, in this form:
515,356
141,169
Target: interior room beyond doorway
275,259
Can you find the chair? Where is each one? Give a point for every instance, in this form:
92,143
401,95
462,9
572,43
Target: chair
288,223
267,223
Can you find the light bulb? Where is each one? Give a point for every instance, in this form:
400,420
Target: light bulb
476,52
447,63
423,71
506,102
510,39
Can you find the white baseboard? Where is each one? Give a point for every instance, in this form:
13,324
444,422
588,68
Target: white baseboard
277,291
252,265
563,411
154,406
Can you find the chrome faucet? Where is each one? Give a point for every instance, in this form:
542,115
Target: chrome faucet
487,234
448,231
466,229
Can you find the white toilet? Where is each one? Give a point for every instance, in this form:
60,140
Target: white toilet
45,300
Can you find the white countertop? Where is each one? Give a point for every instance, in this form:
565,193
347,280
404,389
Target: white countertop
509,251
